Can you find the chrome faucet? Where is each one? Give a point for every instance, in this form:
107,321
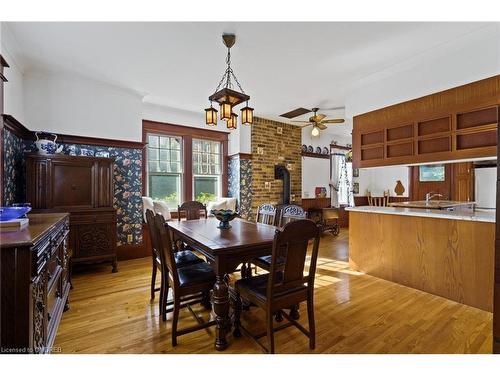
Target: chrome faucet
430,195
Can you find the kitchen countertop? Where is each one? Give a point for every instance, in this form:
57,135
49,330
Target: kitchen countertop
436,204
481,215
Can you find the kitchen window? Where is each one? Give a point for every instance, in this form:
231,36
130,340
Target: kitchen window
165,172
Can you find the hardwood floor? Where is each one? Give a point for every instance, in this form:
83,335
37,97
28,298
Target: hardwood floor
355,313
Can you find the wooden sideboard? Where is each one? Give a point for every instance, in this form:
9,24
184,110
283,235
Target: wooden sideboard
35,283
82,186
458,123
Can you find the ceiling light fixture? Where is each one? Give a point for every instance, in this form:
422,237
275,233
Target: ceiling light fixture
315,131
227,97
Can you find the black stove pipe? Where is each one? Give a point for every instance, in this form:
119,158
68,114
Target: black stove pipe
281,173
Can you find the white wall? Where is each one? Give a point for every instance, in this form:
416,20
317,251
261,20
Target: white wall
14,88
316,172
473,57
378,180
71,104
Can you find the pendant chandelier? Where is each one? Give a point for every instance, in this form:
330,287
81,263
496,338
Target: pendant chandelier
227,97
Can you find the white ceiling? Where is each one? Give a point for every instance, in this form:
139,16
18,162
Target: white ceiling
282,66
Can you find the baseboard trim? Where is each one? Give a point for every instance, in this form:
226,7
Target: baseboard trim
127,252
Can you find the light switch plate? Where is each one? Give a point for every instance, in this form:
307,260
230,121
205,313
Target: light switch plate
260,150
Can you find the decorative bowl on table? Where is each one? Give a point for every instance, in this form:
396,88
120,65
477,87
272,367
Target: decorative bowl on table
11,213
224,216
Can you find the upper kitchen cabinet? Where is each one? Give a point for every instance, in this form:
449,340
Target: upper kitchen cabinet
459,123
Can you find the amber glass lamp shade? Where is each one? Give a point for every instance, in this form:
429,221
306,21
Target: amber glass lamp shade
232,123
225,111
247,115
211,116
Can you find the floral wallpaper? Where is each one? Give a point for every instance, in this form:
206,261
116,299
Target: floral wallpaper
13,169
240,185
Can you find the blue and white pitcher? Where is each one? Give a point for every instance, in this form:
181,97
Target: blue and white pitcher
46,146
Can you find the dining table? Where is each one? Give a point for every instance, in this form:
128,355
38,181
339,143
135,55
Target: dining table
225,250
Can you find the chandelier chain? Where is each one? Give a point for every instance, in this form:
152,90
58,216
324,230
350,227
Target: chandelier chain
228,73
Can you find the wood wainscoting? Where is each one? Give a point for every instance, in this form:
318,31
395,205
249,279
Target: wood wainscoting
449,258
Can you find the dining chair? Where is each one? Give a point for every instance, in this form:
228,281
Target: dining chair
266,214
382,201
182,258
287,214
194,279
192,209
285,285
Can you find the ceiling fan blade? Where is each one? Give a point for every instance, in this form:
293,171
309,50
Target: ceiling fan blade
333,121
321,126
318,118
296,112
301,122
305,126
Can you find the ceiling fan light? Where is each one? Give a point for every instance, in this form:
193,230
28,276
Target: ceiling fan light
211,116
232,123
315,131
225,110
247,115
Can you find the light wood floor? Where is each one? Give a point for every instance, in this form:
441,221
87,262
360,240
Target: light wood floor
355,313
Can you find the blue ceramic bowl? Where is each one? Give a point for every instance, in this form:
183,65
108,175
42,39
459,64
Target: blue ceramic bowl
224,216
11,213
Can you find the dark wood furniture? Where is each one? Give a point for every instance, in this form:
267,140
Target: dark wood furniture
290,212
182,258
185,281
266,214
285,285
286,214
224,250
82,186
192,210
35,283
459,123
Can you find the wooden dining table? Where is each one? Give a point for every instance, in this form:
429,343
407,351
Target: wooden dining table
224,249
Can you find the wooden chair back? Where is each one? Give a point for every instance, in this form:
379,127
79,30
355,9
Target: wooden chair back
289,213
291,243
150,220
378,201
266,214
166,251
192,210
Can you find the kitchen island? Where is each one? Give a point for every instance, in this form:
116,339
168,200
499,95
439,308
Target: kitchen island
446,253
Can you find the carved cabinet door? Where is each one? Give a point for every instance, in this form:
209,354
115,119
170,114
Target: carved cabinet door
95,239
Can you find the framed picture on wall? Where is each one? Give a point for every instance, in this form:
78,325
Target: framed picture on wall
355,172
355,187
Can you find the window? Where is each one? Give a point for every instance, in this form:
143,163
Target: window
431,173
165,168
207,156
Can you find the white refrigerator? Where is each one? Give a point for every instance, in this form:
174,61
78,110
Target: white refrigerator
485,186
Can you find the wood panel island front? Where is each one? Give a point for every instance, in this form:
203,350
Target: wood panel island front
449,254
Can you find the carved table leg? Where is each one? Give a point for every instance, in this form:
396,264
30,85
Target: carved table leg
221,310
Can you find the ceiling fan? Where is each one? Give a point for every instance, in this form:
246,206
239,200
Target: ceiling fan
317,121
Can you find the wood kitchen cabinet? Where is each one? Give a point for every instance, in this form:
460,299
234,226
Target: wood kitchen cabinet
459,123
82,186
